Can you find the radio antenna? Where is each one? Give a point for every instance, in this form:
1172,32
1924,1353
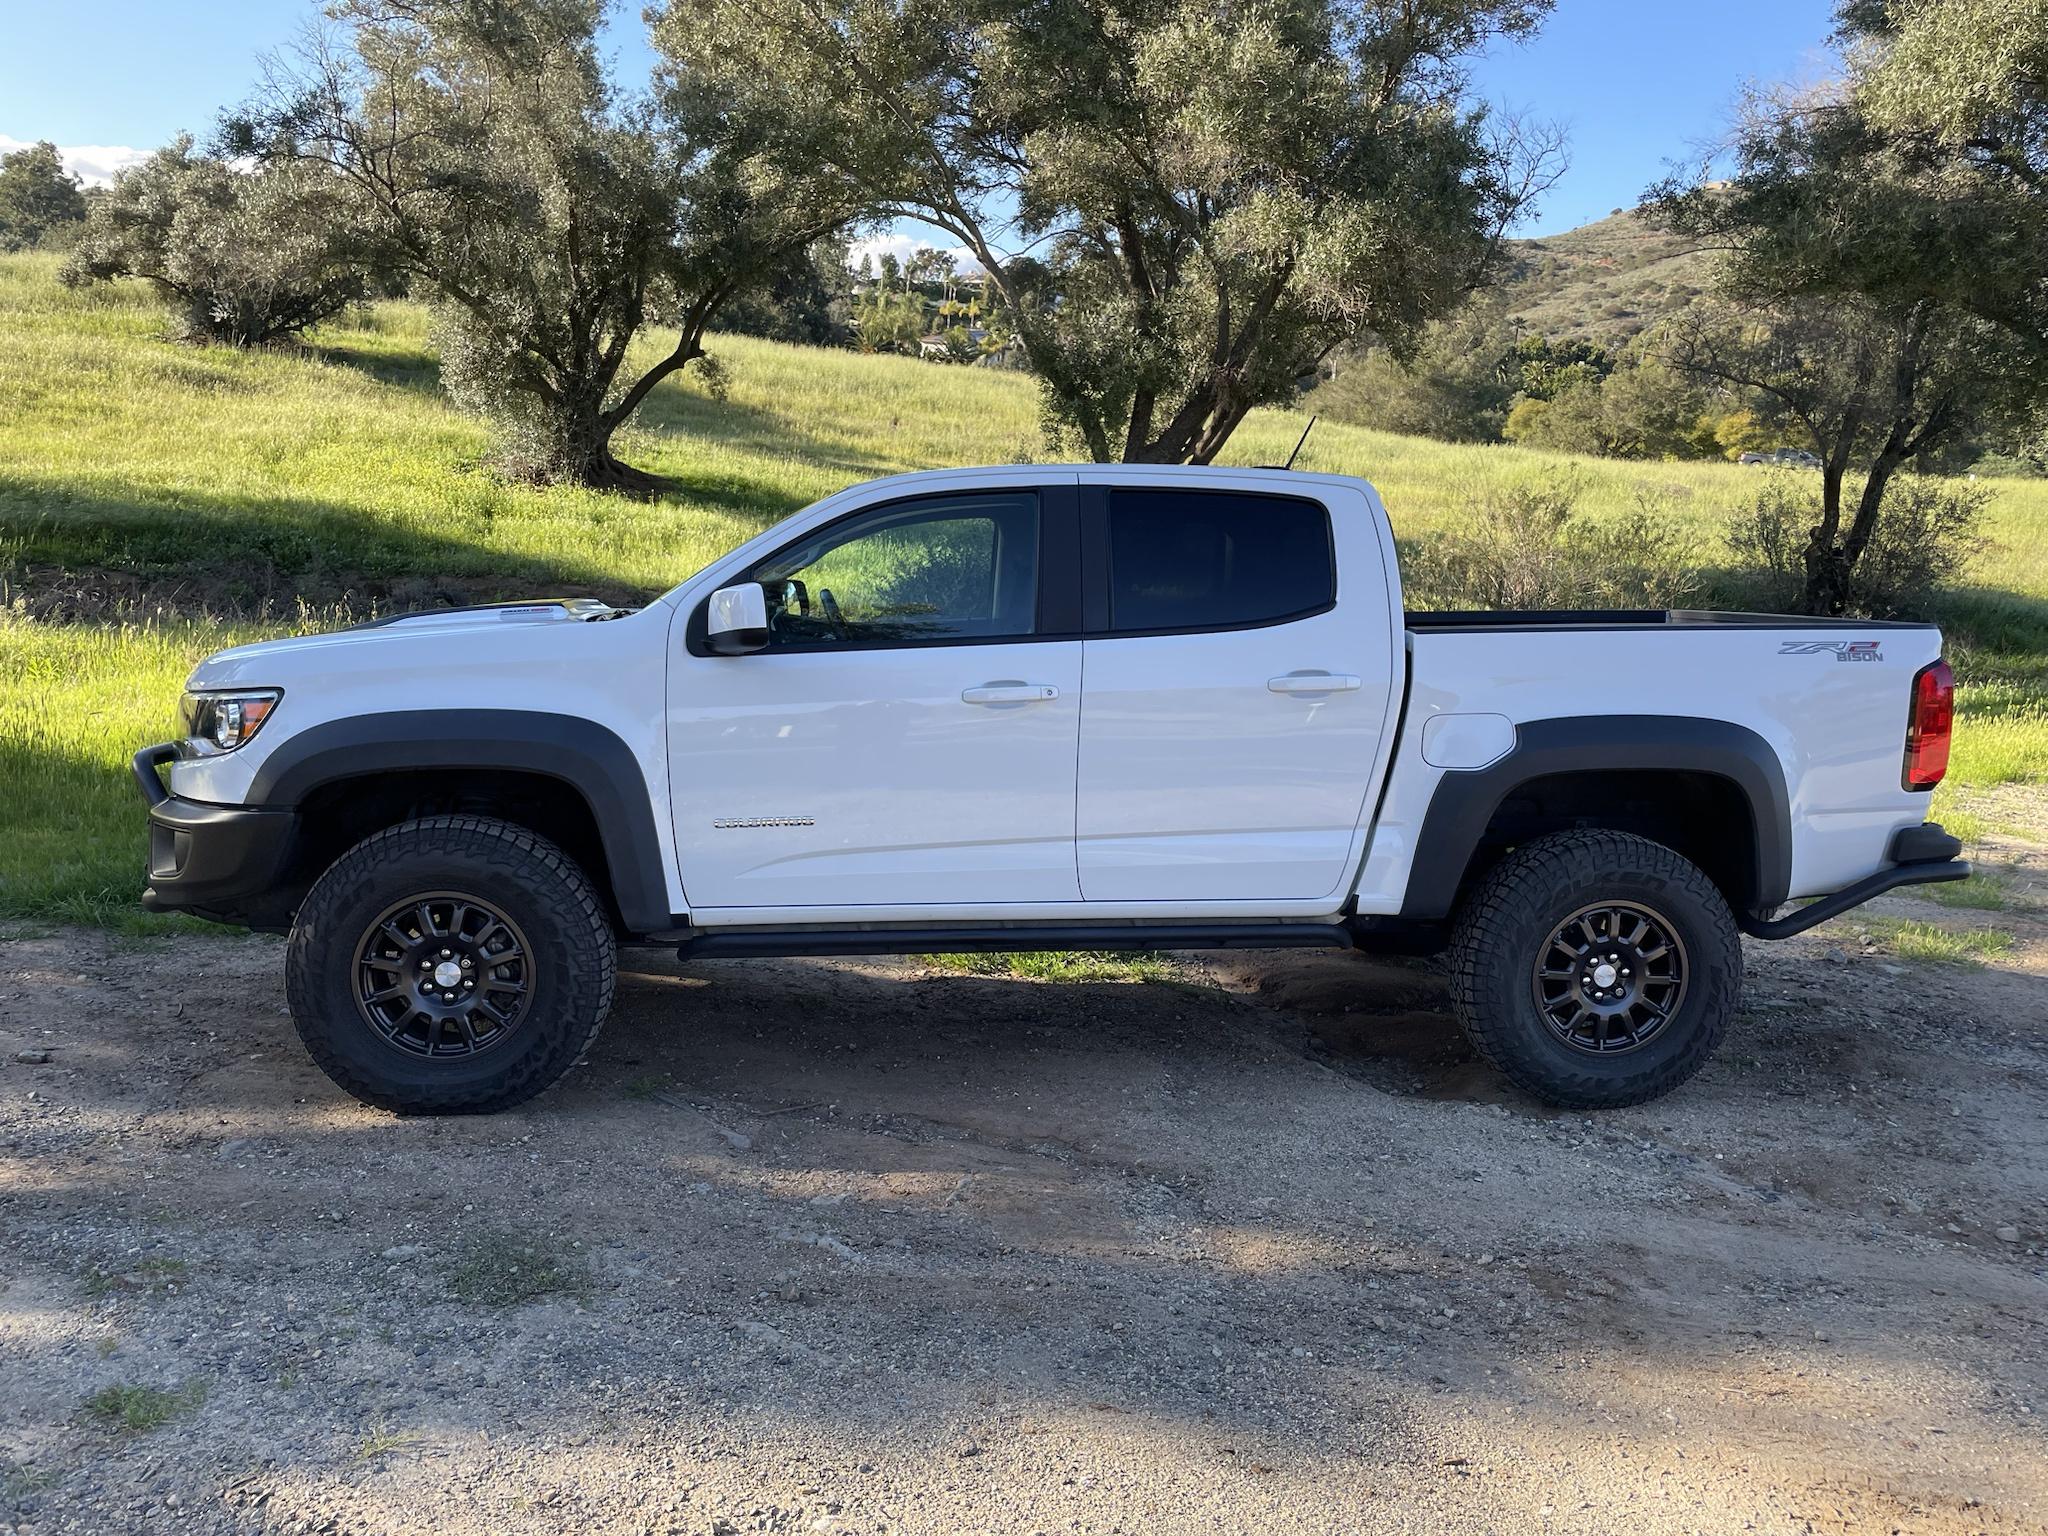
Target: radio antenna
1303,438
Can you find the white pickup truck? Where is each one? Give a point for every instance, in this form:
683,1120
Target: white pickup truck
1044,707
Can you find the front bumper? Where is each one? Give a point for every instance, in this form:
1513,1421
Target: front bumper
223,862
1921,855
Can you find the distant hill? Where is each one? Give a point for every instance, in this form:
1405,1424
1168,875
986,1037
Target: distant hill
1603,281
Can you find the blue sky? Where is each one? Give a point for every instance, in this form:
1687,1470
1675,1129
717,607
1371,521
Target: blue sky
1638,83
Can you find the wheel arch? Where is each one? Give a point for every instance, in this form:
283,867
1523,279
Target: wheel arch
569,779
1710,789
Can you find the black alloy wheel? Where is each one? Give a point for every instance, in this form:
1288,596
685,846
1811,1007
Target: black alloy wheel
444,974
1611,977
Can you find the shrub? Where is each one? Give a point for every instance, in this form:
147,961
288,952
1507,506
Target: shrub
248,257
1456,389
39,200
1925,536
1527,548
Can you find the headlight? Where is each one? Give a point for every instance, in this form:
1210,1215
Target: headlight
224,721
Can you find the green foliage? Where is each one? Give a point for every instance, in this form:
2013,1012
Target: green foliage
500,1269
1223,196
1887,287
1453,388
1064,966
1525,548
1568,421
1740,432
1542,369
39,199
888,321
1637,408
1972,73
1934,943
1927,538
246,257
131,1410
1650,410
482,148
1981,892
808,300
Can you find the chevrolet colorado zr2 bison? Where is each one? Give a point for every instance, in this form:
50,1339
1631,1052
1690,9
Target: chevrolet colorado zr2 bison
1044,707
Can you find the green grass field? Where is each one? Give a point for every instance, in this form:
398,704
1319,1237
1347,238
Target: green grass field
159,501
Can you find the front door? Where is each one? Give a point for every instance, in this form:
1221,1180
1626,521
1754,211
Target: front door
908,735
1234,709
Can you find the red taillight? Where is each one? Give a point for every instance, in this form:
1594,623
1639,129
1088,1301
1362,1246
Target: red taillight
1929,725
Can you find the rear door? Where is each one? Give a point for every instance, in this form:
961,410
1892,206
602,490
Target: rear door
1238,674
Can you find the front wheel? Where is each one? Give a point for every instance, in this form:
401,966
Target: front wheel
450,965
1596,969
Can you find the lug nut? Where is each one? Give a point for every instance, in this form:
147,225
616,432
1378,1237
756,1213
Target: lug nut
447,952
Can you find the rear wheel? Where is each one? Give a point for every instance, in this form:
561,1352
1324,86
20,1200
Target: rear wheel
1596,969
449,965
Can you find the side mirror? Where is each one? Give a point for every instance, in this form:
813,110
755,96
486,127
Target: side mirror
736,620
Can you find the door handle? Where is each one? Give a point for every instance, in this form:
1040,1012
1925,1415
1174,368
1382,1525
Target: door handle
1312,682
1009,693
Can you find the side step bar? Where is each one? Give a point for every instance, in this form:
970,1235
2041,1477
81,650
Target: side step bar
1923,855
746,944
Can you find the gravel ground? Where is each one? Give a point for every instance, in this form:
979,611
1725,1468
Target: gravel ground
879,1247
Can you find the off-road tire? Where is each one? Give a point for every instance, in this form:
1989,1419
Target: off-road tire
1509,919
533,882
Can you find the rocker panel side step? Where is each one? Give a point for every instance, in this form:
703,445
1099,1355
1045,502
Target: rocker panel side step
731,944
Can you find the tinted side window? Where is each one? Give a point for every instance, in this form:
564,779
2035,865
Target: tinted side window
951,569
1209,560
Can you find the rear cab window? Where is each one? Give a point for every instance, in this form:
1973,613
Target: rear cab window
1205,560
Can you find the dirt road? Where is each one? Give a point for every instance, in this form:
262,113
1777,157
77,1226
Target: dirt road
853,1247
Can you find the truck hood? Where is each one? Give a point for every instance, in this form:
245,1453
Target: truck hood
239,666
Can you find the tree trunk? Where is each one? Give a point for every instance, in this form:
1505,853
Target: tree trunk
1827,577
602,471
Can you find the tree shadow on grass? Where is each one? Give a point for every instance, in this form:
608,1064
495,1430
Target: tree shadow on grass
671,411
416,368
97,556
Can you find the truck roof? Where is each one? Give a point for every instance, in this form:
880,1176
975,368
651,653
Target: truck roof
1109,474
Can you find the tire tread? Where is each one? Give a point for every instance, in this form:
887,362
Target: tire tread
522,856
1499,920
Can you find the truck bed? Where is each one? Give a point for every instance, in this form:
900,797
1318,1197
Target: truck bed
1631,618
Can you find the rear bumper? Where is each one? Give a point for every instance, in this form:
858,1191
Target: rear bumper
1921,855
223,862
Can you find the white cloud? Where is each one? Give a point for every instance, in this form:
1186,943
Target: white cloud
93,164
903,247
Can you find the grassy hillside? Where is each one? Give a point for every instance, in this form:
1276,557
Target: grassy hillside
160,501
1603,281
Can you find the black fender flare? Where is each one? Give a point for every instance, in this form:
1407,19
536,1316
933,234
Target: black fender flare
586,756
1465,801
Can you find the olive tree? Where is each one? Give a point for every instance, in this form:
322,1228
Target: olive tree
1184,208
247,256
1972,73
1966,83
1873,388
549,220
38,197
1880,288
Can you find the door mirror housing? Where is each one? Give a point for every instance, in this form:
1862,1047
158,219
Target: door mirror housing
736,620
